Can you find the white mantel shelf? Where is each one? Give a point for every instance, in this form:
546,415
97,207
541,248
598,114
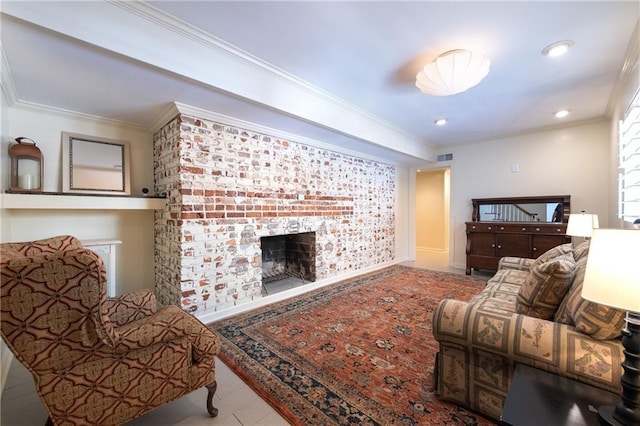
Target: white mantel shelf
60,201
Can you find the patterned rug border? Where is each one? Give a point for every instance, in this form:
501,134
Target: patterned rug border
293,305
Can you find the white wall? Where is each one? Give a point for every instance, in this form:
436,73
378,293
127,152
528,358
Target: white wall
405,188
573,160
46,127
135,268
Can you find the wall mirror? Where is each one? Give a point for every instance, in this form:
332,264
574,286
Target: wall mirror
94,165
548,209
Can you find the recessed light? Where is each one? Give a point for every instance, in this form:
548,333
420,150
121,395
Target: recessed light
558,48
561,114
441,121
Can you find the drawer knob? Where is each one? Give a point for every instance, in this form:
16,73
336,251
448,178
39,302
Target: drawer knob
524,229
489,228
537,229
502,228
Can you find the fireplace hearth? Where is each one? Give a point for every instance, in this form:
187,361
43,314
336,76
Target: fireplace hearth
288,256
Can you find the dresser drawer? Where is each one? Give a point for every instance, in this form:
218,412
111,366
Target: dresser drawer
481,227
514,228
559,229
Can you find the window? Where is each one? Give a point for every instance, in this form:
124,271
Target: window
629,157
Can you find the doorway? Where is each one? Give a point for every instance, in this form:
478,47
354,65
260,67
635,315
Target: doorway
433,218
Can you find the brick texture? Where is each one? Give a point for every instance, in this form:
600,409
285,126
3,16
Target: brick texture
227,187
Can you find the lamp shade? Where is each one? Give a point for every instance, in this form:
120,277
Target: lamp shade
582,224
612,276
453,72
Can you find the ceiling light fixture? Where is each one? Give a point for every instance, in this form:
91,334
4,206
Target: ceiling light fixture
558,48
453,72
561,114
441,121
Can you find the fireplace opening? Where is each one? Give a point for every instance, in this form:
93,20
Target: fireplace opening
288,261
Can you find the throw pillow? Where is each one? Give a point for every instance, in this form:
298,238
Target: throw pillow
582,250
563,314
598,321
553,253
546,287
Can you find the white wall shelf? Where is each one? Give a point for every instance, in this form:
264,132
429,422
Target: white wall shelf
60,201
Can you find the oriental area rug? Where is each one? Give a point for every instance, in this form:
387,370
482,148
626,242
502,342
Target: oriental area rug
357,352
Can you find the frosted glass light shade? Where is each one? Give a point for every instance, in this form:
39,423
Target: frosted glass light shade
612,277
453,72
582,224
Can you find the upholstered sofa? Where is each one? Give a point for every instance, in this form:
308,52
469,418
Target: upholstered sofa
97,360
530,312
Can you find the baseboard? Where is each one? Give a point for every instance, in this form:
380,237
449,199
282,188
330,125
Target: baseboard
5,363
460,265
215,316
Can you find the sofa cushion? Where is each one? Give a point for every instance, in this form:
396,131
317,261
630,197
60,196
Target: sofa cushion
517,263
553,253
504,285
546,287
598,321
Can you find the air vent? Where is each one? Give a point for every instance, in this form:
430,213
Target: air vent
445,157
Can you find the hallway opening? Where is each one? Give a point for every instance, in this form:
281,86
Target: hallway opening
433,218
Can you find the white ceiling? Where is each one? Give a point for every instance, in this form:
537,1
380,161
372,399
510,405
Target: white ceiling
340,72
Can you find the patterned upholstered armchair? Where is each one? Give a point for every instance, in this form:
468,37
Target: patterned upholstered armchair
97,360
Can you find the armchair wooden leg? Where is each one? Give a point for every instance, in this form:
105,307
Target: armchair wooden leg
211,387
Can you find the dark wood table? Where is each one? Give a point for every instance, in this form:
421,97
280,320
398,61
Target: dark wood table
538,397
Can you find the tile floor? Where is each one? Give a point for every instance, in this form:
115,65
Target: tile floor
238,404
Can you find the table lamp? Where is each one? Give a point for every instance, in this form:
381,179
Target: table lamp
612,278
582,224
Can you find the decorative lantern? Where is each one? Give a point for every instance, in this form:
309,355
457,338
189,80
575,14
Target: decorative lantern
26,166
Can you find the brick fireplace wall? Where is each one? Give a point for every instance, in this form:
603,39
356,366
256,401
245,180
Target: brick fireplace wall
227,187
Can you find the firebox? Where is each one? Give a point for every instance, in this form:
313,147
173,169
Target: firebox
290,255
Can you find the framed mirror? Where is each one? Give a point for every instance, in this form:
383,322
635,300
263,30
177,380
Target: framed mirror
95,165
545,209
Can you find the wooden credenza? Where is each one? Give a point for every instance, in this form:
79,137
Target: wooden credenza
487,242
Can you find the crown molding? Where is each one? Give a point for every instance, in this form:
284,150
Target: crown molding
6,79
177,108
514,135
129,28
244,58
219,45
13,101
75,115
629,75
